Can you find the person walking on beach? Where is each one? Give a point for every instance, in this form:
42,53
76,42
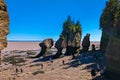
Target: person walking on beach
93,73
63,62
98,68
51,60
41,65
21,70
102,73
16,70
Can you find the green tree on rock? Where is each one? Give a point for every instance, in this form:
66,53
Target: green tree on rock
70,37
109,22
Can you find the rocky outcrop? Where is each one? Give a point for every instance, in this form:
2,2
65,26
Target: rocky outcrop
4,23
113,56
60,44
108,22
110,41
45,44
70,38
104,41
86,43
93,48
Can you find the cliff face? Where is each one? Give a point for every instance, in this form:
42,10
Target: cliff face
110,41
113,56
70,38
107,23
4,23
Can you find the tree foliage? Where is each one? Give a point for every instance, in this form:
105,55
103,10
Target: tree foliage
109,22
70,26
110,18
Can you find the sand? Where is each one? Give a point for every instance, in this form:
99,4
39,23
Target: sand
22,46
54,71
50,71
31,46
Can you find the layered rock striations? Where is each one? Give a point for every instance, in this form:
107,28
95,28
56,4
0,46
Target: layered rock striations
45,44
70,38
110,41
4,23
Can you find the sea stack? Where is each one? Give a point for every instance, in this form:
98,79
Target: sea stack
45,44
4,23
86,43
70,38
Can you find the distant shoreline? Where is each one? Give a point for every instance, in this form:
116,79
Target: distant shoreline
21,41
31,45
35,41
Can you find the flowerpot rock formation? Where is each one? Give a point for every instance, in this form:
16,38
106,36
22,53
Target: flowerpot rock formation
70,38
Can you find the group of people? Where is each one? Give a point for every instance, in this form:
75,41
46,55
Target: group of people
18,69
98,70
51,62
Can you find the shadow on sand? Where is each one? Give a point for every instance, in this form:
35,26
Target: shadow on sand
98,78
87,59
43,59
91,58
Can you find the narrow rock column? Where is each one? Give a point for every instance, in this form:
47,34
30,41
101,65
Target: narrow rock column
86,43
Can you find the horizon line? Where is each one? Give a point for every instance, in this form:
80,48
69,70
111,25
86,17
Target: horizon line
34,41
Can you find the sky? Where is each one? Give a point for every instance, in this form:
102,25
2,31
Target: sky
36,20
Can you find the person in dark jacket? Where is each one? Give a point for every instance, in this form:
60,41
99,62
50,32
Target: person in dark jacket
16,70
63,62
93,73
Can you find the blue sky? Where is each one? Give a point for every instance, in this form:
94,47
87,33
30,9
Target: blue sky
41,19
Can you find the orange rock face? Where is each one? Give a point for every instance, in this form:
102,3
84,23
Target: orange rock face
4,23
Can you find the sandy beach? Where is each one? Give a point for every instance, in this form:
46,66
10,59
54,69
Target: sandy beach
22,46
32,70
30,46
